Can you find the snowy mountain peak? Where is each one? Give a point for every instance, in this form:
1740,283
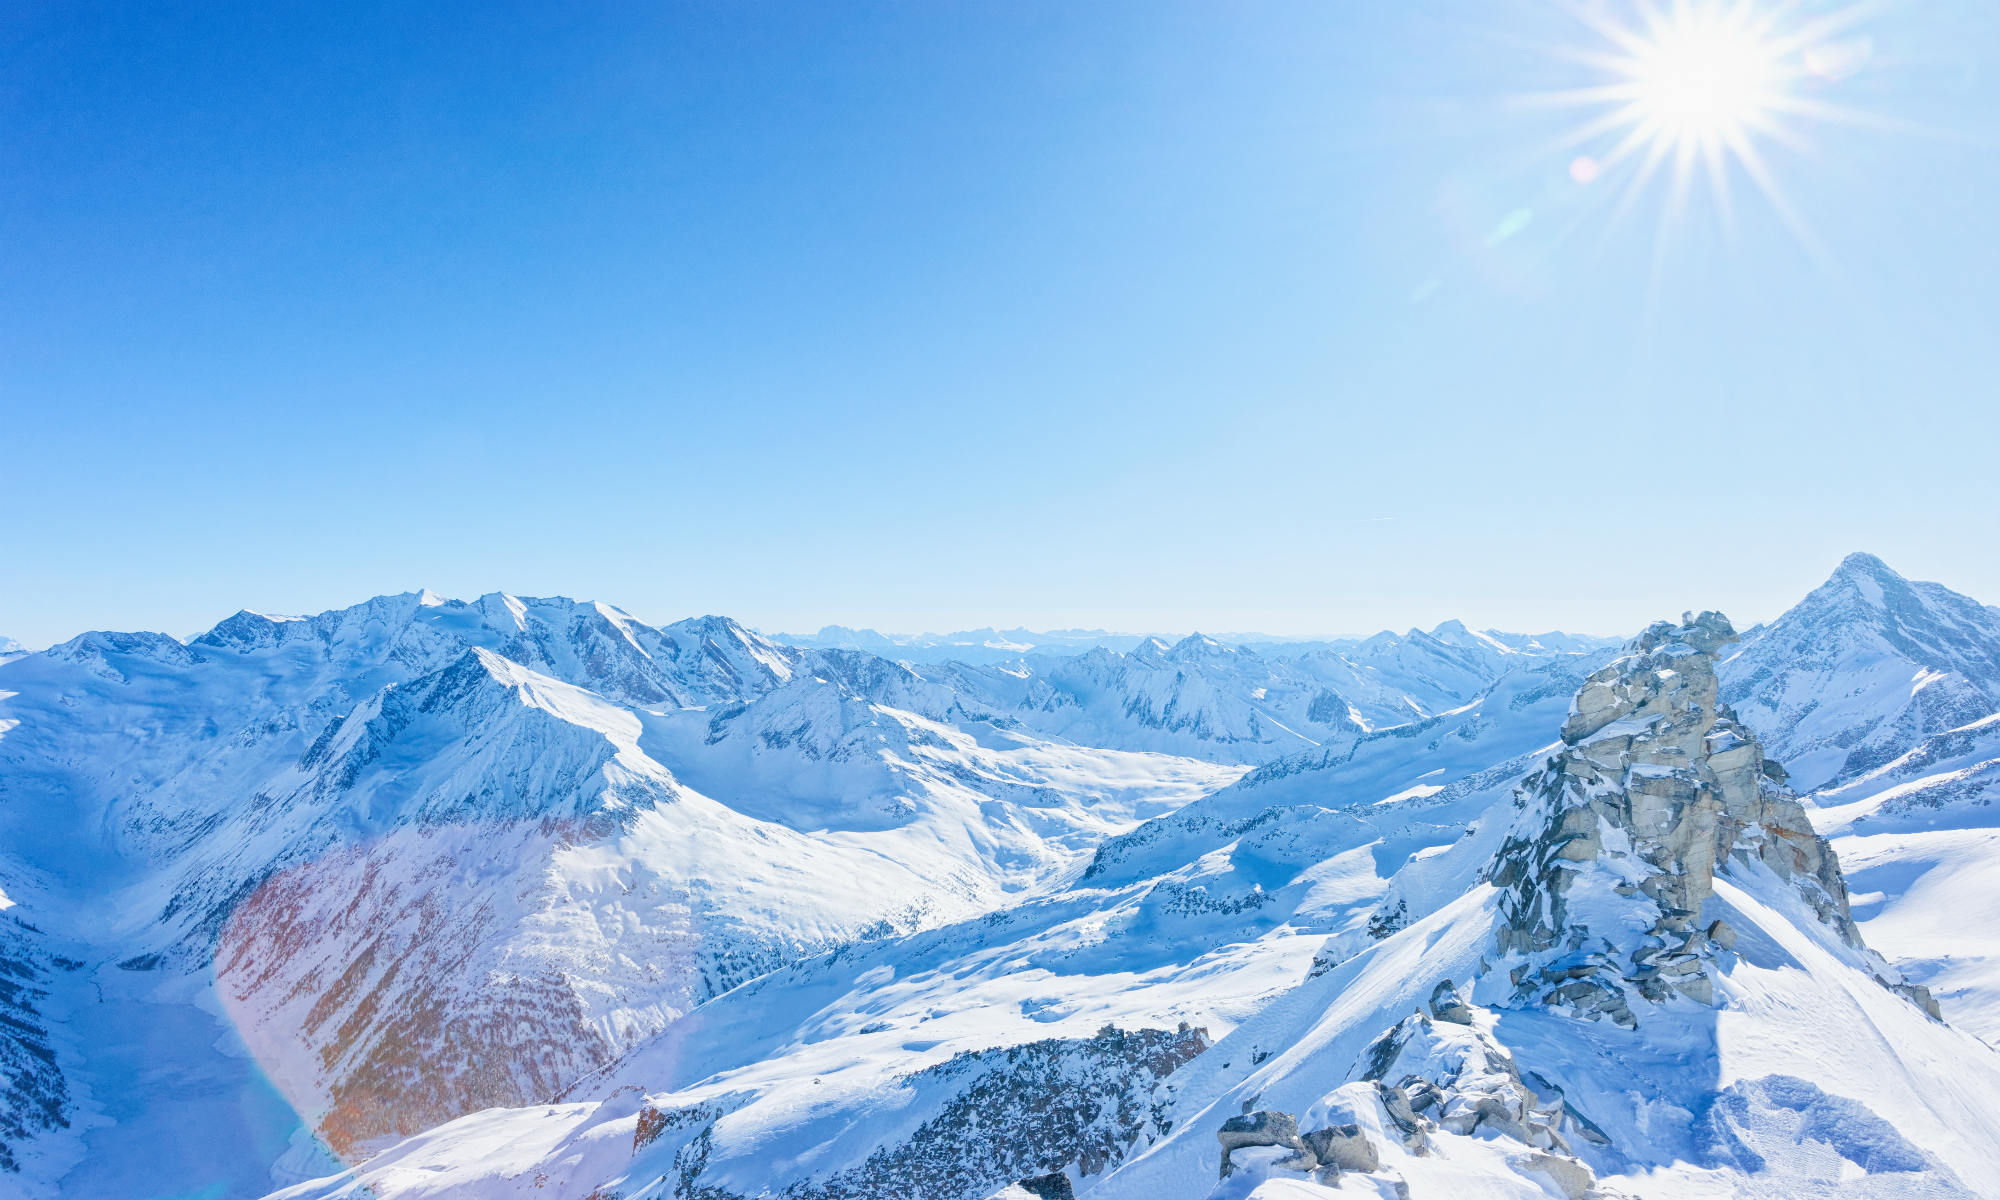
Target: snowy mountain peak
1862,564
1198,646
242,630
1455,633
1454,628
724,628
483,738
1916,609
524,895
1863,579
1913,659
99,649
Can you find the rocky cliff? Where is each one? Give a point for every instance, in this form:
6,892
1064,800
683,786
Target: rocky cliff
1657,788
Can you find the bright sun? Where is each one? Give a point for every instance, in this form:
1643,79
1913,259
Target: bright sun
1703,75
1701,86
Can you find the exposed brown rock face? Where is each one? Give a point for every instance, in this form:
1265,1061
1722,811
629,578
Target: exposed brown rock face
395,1025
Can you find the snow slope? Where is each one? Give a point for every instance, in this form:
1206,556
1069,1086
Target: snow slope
517,897
1920,840
1566,1025
1651,1013
1193,921
426,855
1882,694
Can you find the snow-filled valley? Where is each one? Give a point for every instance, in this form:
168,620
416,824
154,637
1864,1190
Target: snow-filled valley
526,897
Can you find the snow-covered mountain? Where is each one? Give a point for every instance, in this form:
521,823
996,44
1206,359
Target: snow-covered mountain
1172,934
1007,645
1650,987
1883,695
436,856
516,897
968,645
1864,668
1579,969
1204,698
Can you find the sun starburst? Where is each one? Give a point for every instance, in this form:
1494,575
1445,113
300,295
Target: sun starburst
1701,88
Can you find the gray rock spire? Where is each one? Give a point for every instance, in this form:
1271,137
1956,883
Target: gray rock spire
1658,787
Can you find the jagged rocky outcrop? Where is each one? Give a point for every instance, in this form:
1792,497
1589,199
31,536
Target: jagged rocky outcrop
1604,906
1421,1078
34,1094
1658,787
1025,1112
1051,1185
1265,1128
1452,1074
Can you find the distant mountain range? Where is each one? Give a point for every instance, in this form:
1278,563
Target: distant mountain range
525,897
1002,645
970,645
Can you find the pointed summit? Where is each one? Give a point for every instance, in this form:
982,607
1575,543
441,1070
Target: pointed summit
1863,563
1868,578
1862,669
241,630
1455,633
1197,646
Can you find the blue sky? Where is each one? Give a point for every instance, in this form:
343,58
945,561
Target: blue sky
1148,316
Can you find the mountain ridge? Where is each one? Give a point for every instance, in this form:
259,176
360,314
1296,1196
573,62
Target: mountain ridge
442,863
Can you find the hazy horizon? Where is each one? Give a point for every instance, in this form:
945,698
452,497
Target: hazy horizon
1223,632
